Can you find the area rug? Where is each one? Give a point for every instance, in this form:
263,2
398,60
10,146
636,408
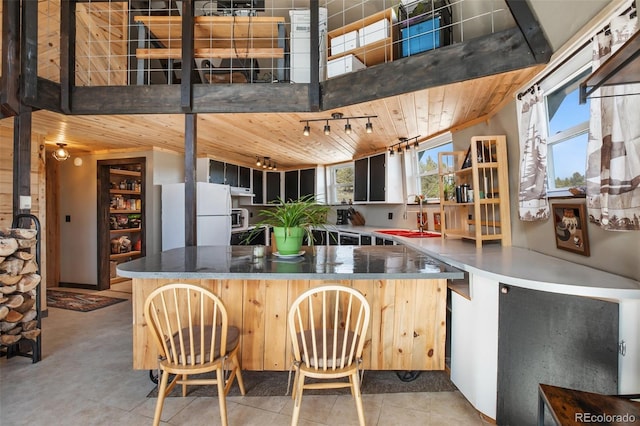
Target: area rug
82,302
274,383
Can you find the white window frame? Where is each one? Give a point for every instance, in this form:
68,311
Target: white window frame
414,175
580,62
331,181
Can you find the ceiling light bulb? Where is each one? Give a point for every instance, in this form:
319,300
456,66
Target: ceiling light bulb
327,129
258,163
307,130
275,167
369,127
347,128
61,154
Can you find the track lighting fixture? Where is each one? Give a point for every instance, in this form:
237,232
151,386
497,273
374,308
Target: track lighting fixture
338,116
404,144
61,153
266,163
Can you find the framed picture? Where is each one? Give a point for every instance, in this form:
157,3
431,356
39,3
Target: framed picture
436,221
570,228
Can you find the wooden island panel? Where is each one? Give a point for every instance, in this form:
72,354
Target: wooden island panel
406,332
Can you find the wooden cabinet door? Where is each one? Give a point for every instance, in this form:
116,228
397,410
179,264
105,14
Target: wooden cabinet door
377,174
361,179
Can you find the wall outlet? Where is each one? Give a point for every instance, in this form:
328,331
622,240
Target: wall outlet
25,202
67,218
390,216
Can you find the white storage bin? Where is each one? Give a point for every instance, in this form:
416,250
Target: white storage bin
301,20
344,42
339,66
374,32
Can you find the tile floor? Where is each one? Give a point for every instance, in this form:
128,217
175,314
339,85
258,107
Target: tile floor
85,378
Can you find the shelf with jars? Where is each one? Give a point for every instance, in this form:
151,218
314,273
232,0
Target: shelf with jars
474,192
121,208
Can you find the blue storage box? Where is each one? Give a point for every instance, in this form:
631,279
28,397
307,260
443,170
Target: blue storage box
420,37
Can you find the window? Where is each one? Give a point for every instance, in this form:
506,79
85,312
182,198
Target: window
341,183
428,170
568,135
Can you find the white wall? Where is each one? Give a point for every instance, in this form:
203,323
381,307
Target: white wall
78,199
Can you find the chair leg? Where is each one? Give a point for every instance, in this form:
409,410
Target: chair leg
298,387
357,395
222,399
239,374
184,386
161,394
296,377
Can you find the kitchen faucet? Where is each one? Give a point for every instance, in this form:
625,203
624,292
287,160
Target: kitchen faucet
422,222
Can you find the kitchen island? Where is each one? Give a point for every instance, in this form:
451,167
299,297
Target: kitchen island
406,290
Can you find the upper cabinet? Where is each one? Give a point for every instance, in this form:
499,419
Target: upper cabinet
378,179
213,171
474,192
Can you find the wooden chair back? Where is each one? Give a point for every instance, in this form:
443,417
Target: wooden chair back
328,327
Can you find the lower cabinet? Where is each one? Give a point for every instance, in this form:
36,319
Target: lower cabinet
242,238
561,340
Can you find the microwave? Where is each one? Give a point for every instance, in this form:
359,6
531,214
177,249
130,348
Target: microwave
239,218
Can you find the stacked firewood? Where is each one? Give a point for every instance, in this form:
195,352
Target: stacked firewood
19,280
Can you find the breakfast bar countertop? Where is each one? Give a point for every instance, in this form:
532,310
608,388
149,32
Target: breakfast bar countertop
317,262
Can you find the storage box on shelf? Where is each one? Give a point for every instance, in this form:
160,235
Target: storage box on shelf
474,192
424,25
370,41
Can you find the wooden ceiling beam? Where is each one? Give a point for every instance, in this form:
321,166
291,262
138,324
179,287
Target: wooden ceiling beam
9,95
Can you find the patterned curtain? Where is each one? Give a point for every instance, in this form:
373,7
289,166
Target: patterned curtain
533,204
613,150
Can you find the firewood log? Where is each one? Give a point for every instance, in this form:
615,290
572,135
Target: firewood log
6,279
12,266
26,305
3,312
2,258
31,334
29,315
5,232
6,326
24,234
28,282
29,267
29,325
8,246
24,255
8,289
13,316
26,243
15,300
15,330
8,339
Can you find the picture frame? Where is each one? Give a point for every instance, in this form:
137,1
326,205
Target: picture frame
570,227
466,163
436,221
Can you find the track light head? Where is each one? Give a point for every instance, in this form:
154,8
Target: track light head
327,129
258,163
307,130
369,126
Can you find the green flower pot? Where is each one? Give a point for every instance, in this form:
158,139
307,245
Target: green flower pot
288,240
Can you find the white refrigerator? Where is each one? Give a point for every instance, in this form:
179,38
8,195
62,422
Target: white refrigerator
213,210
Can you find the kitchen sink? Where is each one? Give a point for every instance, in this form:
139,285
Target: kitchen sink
408,233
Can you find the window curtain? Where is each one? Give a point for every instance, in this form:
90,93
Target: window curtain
533,204
613,150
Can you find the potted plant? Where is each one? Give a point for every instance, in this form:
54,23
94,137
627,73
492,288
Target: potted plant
292,220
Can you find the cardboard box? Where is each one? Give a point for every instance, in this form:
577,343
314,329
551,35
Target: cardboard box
339,66
377,31
344,43
420,37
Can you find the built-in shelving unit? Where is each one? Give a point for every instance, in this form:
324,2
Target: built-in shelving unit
474,192
121,219
377,52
